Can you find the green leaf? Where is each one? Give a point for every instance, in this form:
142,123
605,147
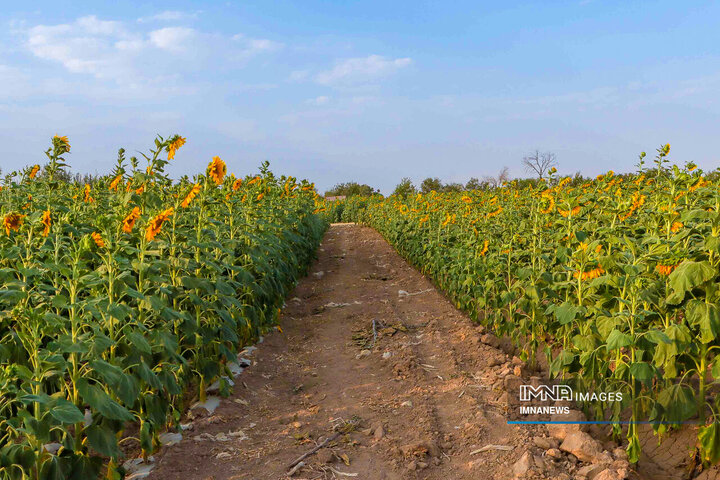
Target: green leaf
565,313
709,438
110,373
101,402
138,341
642,371
617,339
678,402
102,440
689,275
706,316
65,411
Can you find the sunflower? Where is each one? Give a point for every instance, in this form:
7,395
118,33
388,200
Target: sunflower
47,222
237,184
217,170
676,226
260,196
86,194
97,238
192,194
665,269
174,146
61,143
156,222
12,221
591,274
114,184
485,248
129,221
34,171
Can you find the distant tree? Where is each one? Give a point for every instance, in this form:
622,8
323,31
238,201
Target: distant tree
430,184
540,163
351,189
502,177
453,187
475,184
405,188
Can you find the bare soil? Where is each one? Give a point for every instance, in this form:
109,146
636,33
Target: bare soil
415,397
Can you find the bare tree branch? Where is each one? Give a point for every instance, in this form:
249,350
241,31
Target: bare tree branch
539,163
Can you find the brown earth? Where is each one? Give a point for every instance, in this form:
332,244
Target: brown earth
416,399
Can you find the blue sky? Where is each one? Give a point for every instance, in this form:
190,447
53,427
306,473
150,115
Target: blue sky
366,91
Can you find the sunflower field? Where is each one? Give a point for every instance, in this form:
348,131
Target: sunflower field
614,282
124,298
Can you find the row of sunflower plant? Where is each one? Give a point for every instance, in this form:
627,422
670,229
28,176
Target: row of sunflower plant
614,281
119,295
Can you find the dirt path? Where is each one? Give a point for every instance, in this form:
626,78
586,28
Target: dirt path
424,397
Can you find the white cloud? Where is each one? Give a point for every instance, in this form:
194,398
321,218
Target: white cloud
361,70
299,75
321,100
172,39
168,16
126,54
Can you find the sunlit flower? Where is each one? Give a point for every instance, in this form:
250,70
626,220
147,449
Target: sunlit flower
466,199
217,170
140,190
590,274
98,239
665,269
192,194
129,221
485,248
583,246
676,226
174,146
114,184
260,196
61,143
34,171
47,223
258,178
156,223
494,213
86,194
12,221
237,184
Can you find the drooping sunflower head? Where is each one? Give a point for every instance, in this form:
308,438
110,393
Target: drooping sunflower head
46,222
175,143
129,221
34,171
156,223
12,221
191,195
61,144
217,170
97,238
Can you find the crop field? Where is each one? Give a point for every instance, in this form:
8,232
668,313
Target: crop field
614,281
121,295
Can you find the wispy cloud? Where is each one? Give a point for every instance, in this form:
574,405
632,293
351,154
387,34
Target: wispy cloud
127,53
172,39
354,71
321,100
169,16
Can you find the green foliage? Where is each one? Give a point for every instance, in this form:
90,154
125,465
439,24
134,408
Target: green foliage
351,189
120,313
405,188
616,279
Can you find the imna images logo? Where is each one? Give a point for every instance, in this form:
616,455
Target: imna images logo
545,393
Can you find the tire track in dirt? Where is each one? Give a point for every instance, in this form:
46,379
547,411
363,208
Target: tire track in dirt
421,390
